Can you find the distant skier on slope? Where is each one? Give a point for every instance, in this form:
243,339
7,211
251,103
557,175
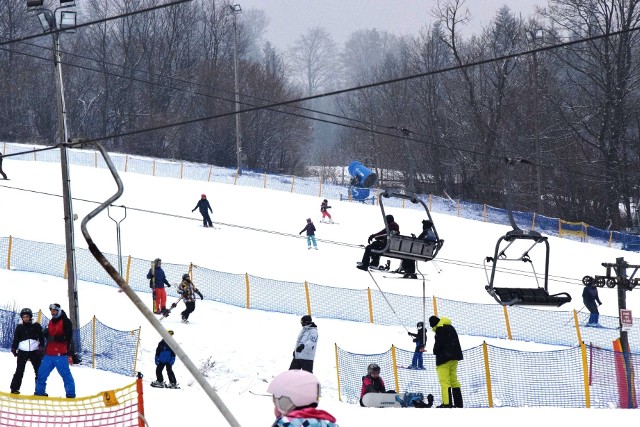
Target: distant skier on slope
324,209
205,207
311,234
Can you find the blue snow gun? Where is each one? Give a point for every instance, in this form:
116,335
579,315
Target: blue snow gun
362,176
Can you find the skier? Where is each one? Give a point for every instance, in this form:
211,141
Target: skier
448,352
4,175
324,208
311,234
59,335
204,207
420,339
157,282
373,382
306,343
188,291
380,242
589,298
295,399
27,345
165,357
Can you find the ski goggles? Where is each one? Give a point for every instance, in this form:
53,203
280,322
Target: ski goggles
284,404
54,307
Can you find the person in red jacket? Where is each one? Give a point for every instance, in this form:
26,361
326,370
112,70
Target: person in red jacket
59,335
372,382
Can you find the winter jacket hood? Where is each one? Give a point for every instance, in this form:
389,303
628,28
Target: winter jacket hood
307,417
443,321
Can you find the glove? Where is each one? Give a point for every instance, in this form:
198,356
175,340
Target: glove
168,285
201,297
192,210
300,348
370,239
300,232
409,333
15,352
599,304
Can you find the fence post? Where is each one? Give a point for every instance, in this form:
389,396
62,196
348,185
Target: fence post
293,179
64,275
128,269
370,305
246,281
209,177
487,373
9,252
265,181
306,293
395,367
533,221
458,208
235,179
320,192
153,169
435,306
39,316
126,162
610,237
34,154
506,322
140,391
484,212
135,358
181,170
335,346
585,374
95,159
93,342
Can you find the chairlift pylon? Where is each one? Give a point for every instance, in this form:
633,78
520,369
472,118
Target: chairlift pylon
521,296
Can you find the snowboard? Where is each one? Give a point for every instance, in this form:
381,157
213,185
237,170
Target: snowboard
382,400
153,384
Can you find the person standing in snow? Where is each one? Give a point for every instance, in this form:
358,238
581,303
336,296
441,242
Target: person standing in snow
420,338
324,209
306,343
165,358
59,336
157,282
311,234
295,400
27,346
4,175
448,352
589,298
188,291
204,207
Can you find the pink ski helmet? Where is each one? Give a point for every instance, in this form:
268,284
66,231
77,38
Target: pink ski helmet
294,389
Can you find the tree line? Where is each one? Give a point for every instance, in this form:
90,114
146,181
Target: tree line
572,114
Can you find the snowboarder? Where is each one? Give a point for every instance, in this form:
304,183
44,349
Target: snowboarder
59,336
4,175
448,352
311,234
157,282
295,399
188,291
420,339
324,208
589,298
380,242
27,346
204,207
373,382
165,358
306,343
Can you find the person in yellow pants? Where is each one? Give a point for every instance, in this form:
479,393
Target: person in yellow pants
448,352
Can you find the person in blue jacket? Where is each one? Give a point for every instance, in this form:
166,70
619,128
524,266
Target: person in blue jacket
590,298
204,207
165,358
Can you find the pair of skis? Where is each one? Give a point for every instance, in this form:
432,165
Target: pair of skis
168,311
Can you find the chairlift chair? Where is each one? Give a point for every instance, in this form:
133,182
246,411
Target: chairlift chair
407,247
522,296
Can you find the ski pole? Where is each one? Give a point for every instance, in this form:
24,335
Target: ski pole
572,319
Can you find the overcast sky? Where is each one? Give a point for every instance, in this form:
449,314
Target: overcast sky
291,18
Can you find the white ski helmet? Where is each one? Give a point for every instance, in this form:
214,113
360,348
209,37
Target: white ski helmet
294,389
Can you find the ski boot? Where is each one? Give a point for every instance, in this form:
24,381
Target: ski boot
158,384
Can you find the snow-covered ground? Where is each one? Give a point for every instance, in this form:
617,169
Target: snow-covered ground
250,347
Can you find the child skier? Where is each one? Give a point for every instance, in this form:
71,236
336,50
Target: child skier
311,234
420,339
295,399
188,291
324,208
165,357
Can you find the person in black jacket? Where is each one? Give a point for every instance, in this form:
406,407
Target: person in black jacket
420,339
27,345
379,240
589,298
204,207
311,234
448,352
4,175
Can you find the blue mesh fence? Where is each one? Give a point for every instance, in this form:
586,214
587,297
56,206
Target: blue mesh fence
552,327
332,187
100,346
512,378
